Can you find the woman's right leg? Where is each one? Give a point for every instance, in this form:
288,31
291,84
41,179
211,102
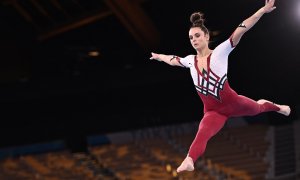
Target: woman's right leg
211,123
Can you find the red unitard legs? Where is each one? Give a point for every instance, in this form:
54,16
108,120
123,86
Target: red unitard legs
217,113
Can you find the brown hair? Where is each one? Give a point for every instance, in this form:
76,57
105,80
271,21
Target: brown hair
197,20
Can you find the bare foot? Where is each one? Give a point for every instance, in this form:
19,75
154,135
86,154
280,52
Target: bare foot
284,109
186,165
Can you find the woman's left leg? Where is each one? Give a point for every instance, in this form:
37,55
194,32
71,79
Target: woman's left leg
245,106
283,109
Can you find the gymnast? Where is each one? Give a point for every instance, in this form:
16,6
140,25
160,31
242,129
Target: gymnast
209,73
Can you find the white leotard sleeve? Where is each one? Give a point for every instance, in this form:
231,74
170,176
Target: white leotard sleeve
187,61
219,58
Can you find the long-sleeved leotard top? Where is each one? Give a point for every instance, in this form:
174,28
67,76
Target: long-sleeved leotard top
212,85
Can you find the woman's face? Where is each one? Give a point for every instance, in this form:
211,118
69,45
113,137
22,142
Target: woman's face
198,38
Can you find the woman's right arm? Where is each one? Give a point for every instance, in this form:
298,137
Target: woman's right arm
169,59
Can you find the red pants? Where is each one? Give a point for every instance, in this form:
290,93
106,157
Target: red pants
214,120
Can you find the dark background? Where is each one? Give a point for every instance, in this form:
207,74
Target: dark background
51,89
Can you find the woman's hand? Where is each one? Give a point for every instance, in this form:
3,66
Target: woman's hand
155,56
166,58
269,6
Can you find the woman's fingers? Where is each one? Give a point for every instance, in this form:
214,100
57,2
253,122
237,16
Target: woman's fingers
153,55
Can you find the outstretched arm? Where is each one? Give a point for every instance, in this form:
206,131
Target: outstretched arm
251,21
169,59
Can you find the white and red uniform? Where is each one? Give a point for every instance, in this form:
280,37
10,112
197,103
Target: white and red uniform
219,100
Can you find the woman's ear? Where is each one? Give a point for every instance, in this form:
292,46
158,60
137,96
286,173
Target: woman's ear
207,37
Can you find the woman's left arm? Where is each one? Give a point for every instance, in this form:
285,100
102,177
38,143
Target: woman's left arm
251,21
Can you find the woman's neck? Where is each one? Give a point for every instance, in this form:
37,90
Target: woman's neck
204,52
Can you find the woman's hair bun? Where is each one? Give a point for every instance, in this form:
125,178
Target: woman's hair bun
197,18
